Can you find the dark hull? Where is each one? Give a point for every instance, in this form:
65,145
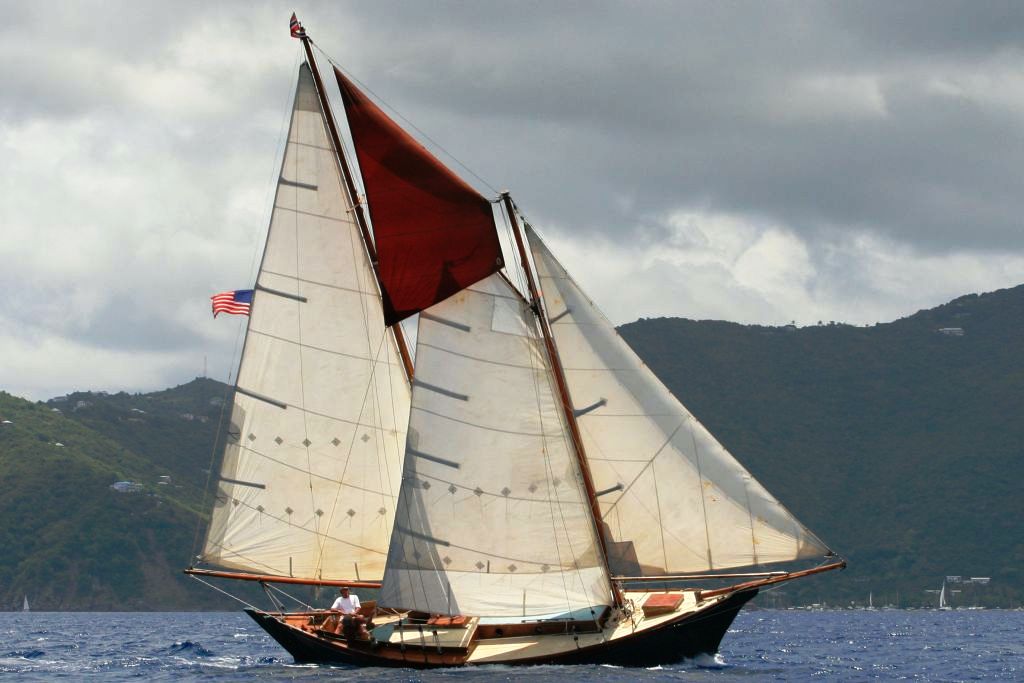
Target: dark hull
666,644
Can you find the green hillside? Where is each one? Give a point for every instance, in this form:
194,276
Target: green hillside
71,541
901,446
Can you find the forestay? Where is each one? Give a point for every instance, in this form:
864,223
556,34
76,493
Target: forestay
311,470
492,518
674,499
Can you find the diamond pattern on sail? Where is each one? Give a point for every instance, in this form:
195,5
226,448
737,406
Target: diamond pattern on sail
685,504
493,519
311,472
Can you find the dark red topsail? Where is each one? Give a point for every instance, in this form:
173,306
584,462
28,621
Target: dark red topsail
435,235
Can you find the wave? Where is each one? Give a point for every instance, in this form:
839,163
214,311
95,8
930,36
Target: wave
187,646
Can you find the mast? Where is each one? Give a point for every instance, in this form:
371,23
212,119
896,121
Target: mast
563,390
346,173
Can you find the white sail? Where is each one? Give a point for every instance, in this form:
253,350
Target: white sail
676,500
24,606
493,519
311,471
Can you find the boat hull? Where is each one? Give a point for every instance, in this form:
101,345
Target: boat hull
687,637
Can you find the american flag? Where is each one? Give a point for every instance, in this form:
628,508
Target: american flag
237,302
297,30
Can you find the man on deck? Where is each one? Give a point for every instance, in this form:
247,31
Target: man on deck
346,603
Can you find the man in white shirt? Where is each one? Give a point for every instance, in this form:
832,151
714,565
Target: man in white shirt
346,603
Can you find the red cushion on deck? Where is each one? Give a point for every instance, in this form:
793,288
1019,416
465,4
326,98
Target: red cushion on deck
662,603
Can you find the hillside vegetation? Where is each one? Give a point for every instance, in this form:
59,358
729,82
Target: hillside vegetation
71,541
901,446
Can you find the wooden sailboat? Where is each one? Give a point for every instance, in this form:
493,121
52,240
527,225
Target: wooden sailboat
530,493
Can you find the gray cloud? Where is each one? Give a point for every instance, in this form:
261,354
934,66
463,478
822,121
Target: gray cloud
756,162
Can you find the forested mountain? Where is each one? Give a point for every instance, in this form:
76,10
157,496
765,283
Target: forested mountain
69,540
900,444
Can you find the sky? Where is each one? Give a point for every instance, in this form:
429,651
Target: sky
754,162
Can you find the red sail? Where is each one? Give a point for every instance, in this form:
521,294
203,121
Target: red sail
435,234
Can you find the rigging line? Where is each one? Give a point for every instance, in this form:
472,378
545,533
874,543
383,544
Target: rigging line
348,457
371,383
703,500
221,590
397,113
269,569
628,487
555,507
271,188
750,517
280,149
196,550
517,268
302,603
300,527
384,468
311,473
298,336
356,251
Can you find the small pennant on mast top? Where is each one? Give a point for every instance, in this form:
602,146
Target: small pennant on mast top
296,27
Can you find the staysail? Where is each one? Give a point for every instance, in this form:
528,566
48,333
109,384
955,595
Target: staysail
434,233
493,519
311,471
674,500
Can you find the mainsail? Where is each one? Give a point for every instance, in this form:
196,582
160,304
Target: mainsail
434,233
311,471
674,500
493,519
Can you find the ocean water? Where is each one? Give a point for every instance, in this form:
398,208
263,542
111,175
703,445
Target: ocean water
762,645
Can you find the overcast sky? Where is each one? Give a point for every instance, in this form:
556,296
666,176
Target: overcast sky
754,162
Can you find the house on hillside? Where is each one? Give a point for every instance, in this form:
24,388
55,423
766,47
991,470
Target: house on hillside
951,331
127,487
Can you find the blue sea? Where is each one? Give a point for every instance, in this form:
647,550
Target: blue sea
762,645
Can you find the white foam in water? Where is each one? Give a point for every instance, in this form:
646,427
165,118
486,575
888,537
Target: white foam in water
706,661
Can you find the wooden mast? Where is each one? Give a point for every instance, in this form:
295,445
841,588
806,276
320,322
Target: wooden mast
563,389
346,172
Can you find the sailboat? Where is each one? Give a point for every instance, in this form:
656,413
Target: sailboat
527,491
24,606
943,601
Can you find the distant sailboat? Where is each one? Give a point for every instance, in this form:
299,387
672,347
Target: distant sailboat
24,606
943,603
871,600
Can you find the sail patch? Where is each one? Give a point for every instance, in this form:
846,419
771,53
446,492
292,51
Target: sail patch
439,390
261,397
239,482
296,183
450,323
278,292
432,458
580,412
422,537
